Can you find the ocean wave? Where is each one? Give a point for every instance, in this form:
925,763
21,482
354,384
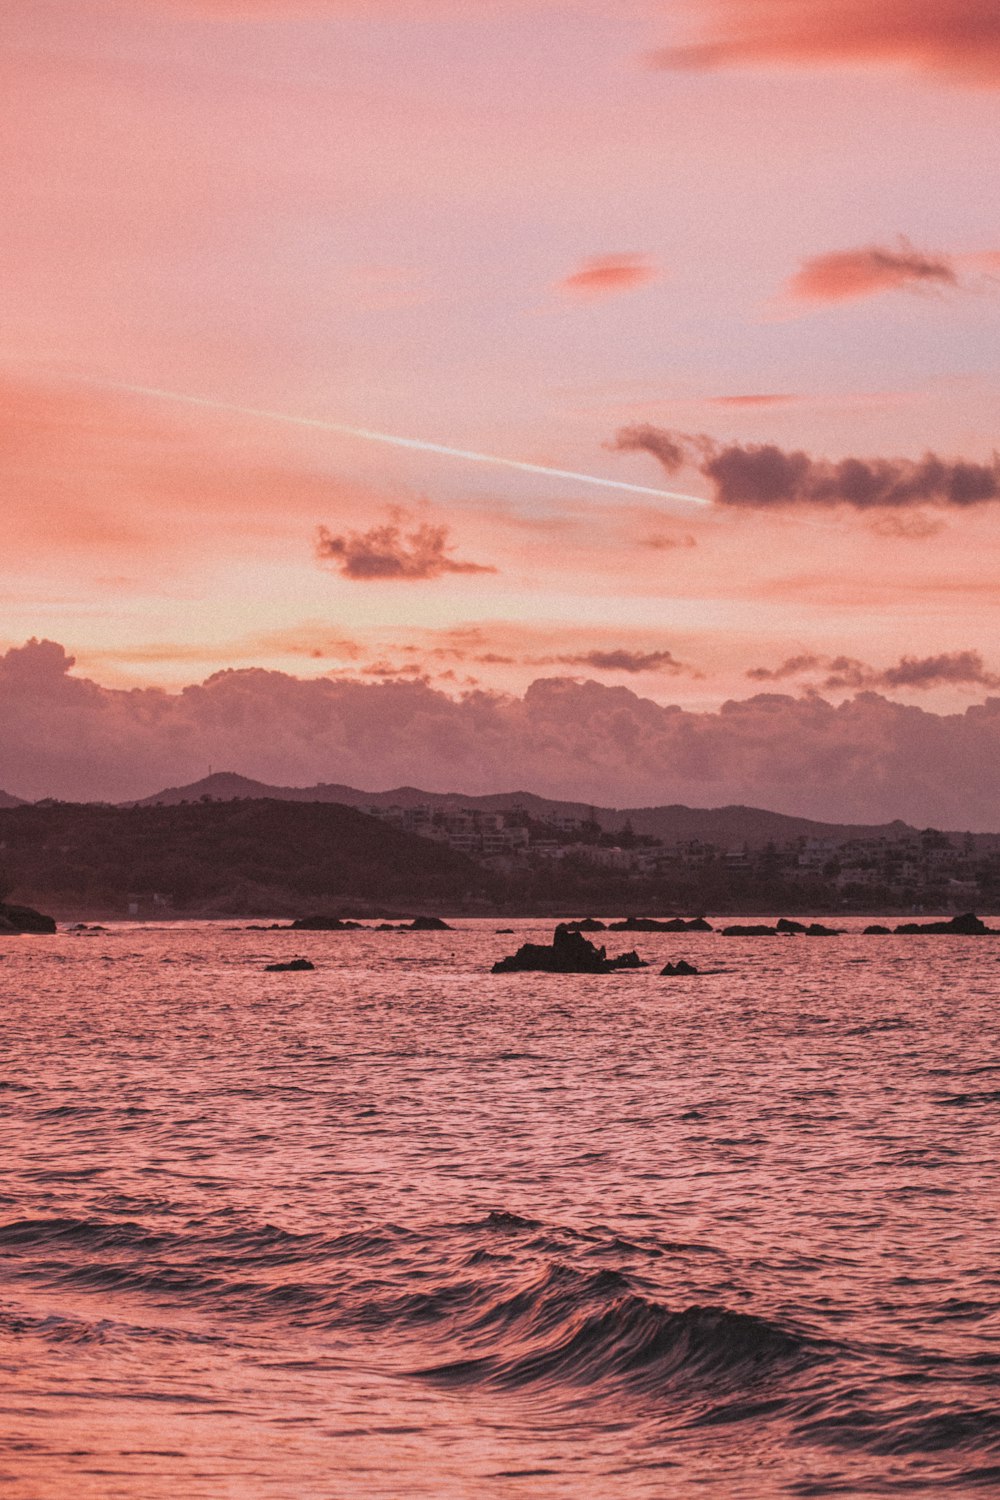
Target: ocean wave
567,1327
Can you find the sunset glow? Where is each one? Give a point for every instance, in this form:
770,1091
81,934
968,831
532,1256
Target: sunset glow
340,335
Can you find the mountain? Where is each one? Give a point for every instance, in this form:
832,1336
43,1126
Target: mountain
726,827
6,800
241,856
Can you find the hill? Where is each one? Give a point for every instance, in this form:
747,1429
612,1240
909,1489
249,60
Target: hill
724,826
6,800
250,856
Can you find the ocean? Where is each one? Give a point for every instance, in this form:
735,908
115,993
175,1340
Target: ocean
400,1227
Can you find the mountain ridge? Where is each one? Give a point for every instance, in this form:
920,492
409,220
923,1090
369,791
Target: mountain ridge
732,825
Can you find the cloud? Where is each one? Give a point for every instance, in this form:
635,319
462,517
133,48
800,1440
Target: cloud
662,541
915,527
948,669
866,759
763,476
618,661
764,399
960,38
844,275
608,274
385,553
790,668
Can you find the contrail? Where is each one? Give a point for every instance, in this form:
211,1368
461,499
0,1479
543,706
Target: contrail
420,444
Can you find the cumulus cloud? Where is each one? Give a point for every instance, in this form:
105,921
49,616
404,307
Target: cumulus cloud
605,275
947,669
958,37
385,552
867,759
843,275
762,476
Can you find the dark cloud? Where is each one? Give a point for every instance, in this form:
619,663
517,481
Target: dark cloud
385,552
608,274
866,759
790,668
957,37
915,527
619,661
661,541
669,448
844,275
762,476
948,669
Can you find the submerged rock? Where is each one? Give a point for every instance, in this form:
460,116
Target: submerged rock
24,919
569,953
294,965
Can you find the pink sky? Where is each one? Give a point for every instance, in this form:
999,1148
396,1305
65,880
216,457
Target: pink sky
521,229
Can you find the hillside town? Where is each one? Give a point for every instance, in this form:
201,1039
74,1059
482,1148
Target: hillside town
921,870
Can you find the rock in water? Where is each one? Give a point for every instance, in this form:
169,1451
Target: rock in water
569,953
24,919
967,925
295,965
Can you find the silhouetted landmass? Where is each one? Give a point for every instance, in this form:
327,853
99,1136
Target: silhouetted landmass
6,800
231,857
727,826
328,864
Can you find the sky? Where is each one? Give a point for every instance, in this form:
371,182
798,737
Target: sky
595,396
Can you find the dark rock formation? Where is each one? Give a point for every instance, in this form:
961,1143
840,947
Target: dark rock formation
650,924
751,930
24,919
570,953
425,924
876,931
323,924
585,924
815,929
295,965
680,967
967,925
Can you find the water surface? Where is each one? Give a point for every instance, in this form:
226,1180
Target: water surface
402,1227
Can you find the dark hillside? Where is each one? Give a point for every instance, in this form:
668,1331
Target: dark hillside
238,856
725,826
